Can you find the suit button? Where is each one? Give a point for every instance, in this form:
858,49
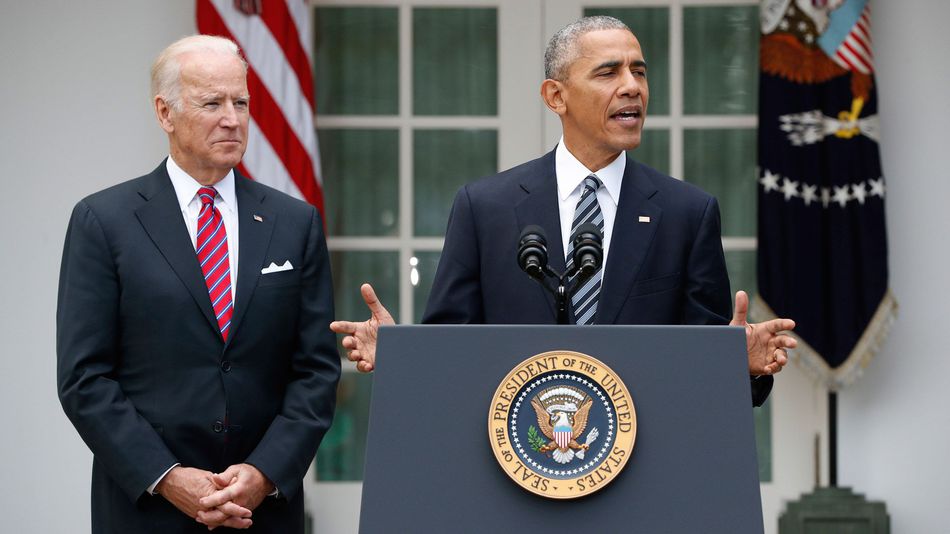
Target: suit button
218,426
225,366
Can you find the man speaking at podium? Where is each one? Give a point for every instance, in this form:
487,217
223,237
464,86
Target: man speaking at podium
663,260
193,353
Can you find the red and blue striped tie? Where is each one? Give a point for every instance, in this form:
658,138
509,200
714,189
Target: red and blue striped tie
212,248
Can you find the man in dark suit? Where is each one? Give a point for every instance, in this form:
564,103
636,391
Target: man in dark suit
663,253
194,357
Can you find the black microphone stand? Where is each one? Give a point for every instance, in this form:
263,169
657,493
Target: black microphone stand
562,291
533,260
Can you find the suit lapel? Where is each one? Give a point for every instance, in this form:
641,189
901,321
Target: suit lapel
255,226
161,217
630,240
540,207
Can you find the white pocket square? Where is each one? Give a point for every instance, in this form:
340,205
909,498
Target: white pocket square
274,268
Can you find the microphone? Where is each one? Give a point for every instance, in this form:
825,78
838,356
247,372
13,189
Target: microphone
533,251
588,249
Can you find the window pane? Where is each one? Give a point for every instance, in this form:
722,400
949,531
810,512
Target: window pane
355,162
654,149
341,453
356,60
455,61
721,59
424,273
722,162
351,269
651,25
444,160
741,266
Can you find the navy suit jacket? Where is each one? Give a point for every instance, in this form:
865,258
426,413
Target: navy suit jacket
670,270
144,375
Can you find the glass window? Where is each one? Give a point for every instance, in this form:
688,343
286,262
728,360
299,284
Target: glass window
741,266
356,60
353,267
654,149
354,162
341,453
444,160
721,60
422,274
722,162
454,61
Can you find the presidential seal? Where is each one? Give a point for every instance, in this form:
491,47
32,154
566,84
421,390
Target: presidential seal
562,424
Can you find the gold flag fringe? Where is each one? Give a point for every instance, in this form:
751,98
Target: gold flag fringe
864,351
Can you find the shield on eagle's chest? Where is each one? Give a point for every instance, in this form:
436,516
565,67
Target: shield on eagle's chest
562,436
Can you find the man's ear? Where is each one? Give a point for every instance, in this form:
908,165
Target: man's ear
163,113
552,92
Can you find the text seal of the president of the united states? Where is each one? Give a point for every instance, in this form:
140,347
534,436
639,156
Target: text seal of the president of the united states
562,424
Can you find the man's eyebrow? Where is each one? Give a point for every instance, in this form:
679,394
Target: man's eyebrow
614,63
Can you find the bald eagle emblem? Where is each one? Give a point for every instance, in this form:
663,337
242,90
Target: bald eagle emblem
562,413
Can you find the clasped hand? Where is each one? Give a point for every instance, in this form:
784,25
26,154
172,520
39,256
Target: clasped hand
217,499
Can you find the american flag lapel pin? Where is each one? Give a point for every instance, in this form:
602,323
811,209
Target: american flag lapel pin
643,219
258,218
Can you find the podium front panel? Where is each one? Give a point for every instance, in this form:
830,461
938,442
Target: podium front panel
430,466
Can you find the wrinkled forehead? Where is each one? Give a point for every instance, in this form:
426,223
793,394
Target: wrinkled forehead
212,69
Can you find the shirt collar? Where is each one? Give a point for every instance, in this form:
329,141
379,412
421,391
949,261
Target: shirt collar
186,187
571,172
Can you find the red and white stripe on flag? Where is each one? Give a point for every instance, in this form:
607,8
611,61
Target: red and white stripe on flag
562,438
275,39
855,51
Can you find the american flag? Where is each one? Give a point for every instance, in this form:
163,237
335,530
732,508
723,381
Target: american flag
275,39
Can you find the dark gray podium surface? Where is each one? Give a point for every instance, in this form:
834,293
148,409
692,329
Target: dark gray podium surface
430,467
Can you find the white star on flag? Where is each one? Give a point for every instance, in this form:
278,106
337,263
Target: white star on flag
809,193
858,192
841,195
789,188
769,181
877,187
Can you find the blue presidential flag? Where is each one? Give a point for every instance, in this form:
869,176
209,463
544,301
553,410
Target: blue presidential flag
822,252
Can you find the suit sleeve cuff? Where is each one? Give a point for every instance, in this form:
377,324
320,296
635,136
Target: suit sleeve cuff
151,489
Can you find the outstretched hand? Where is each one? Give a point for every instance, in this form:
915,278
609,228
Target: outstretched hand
766,342
360,338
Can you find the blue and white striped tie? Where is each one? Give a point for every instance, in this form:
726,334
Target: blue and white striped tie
584,300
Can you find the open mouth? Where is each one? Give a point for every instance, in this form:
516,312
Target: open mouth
628,114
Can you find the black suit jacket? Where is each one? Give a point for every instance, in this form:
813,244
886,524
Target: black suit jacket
144,375
670,270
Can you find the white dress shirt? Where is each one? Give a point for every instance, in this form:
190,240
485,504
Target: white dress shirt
186,189
570,185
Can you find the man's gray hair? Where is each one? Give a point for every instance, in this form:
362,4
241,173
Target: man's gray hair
166,70
562,48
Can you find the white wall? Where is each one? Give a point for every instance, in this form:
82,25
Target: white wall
74,118
894,430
